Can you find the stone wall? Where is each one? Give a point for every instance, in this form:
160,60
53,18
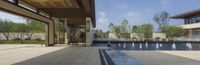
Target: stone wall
112,36
134,35
24,36
160,35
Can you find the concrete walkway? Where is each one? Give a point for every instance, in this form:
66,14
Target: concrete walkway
166,57
37,55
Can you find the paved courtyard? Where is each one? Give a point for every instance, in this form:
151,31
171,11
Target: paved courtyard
29,54
166,57
39,55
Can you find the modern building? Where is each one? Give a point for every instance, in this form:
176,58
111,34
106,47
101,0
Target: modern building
74,14
191,22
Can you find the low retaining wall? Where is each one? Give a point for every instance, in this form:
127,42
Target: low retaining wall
13,36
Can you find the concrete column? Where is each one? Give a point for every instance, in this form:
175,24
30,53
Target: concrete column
66,32
49,30
89,32
190,33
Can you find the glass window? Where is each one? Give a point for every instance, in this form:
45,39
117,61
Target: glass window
193,19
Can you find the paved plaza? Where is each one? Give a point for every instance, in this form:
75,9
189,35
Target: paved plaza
30,54
39,55
166,57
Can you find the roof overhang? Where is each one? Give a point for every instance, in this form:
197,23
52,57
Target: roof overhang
186,14
70,9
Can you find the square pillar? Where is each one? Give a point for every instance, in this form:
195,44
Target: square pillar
190,33
49,30
89,32
66,32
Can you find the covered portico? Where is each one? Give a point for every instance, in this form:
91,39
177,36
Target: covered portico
73,14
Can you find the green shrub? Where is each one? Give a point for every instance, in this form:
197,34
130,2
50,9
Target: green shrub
17,39
147,39
164,39
27,39
38,39
157,38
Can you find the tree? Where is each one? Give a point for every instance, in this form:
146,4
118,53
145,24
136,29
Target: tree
111,27
143,31
22,28
139,31
148,30
98,33
125,27
33,26
161,19
173,31
117,30
5,27
134,28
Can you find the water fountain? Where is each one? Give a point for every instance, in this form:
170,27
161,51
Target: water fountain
146,44
133,44
157,47
173,46
119,45
140,45
124,46
189,46
160,45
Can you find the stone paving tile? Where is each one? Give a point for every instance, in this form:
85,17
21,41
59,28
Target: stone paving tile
167,58
50,56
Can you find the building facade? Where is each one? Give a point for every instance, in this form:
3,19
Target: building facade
191,22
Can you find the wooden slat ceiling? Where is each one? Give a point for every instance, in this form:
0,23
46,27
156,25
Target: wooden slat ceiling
53,3
73,9
76,21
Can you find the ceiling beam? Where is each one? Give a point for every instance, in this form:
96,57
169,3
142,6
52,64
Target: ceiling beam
11,8
75,3
53,3
66,12
93,17
63,9
69,16
86,5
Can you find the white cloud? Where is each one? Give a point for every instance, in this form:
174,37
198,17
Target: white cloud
122,6
134,17
165,1
102,20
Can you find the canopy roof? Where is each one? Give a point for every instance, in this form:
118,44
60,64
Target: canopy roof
74,10
187,14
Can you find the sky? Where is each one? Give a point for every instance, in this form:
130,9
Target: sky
135,11
12,17
140,11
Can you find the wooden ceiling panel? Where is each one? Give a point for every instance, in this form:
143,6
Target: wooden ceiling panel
76,21
53,3
66,9
65,13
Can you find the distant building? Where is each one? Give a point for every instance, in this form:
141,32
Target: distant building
135,35
159,35
191,22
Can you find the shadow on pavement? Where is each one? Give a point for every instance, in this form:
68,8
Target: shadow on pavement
66,56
